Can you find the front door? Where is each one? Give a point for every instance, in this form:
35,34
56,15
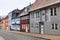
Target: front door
42,29
27,28
41,24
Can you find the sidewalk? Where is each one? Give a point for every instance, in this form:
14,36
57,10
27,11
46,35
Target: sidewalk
39,35
1,38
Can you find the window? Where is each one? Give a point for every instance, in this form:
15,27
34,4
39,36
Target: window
37,25
37,14
32,15
53,12
23,26
26,9
17,14
52,26
28,26
43,14
55,26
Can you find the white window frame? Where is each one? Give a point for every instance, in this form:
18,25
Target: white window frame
53,12
55,26
37,25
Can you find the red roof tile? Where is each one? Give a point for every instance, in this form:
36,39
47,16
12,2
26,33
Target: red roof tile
43,3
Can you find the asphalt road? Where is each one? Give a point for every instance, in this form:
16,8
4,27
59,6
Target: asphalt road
13,36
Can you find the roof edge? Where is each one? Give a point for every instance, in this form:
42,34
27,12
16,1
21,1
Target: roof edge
45,6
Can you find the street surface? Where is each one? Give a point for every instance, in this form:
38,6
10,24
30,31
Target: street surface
1,38
14,36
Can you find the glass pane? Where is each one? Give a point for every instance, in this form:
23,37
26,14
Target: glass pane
51,11
52,26
56,26
55,11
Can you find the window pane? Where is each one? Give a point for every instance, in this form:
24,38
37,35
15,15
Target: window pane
56,26
38,14
37,25
52,26
32,15
55,11
51,11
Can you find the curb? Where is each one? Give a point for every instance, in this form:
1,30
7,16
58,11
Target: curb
28,34
48,37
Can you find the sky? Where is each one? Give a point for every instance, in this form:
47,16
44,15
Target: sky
7,6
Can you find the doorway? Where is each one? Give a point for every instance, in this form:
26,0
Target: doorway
41,26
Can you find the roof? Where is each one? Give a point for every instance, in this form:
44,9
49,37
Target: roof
23,10
43,3
5,17
23,14
17,10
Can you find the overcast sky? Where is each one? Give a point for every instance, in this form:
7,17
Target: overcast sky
8,5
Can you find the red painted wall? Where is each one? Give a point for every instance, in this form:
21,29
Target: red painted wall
24,22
